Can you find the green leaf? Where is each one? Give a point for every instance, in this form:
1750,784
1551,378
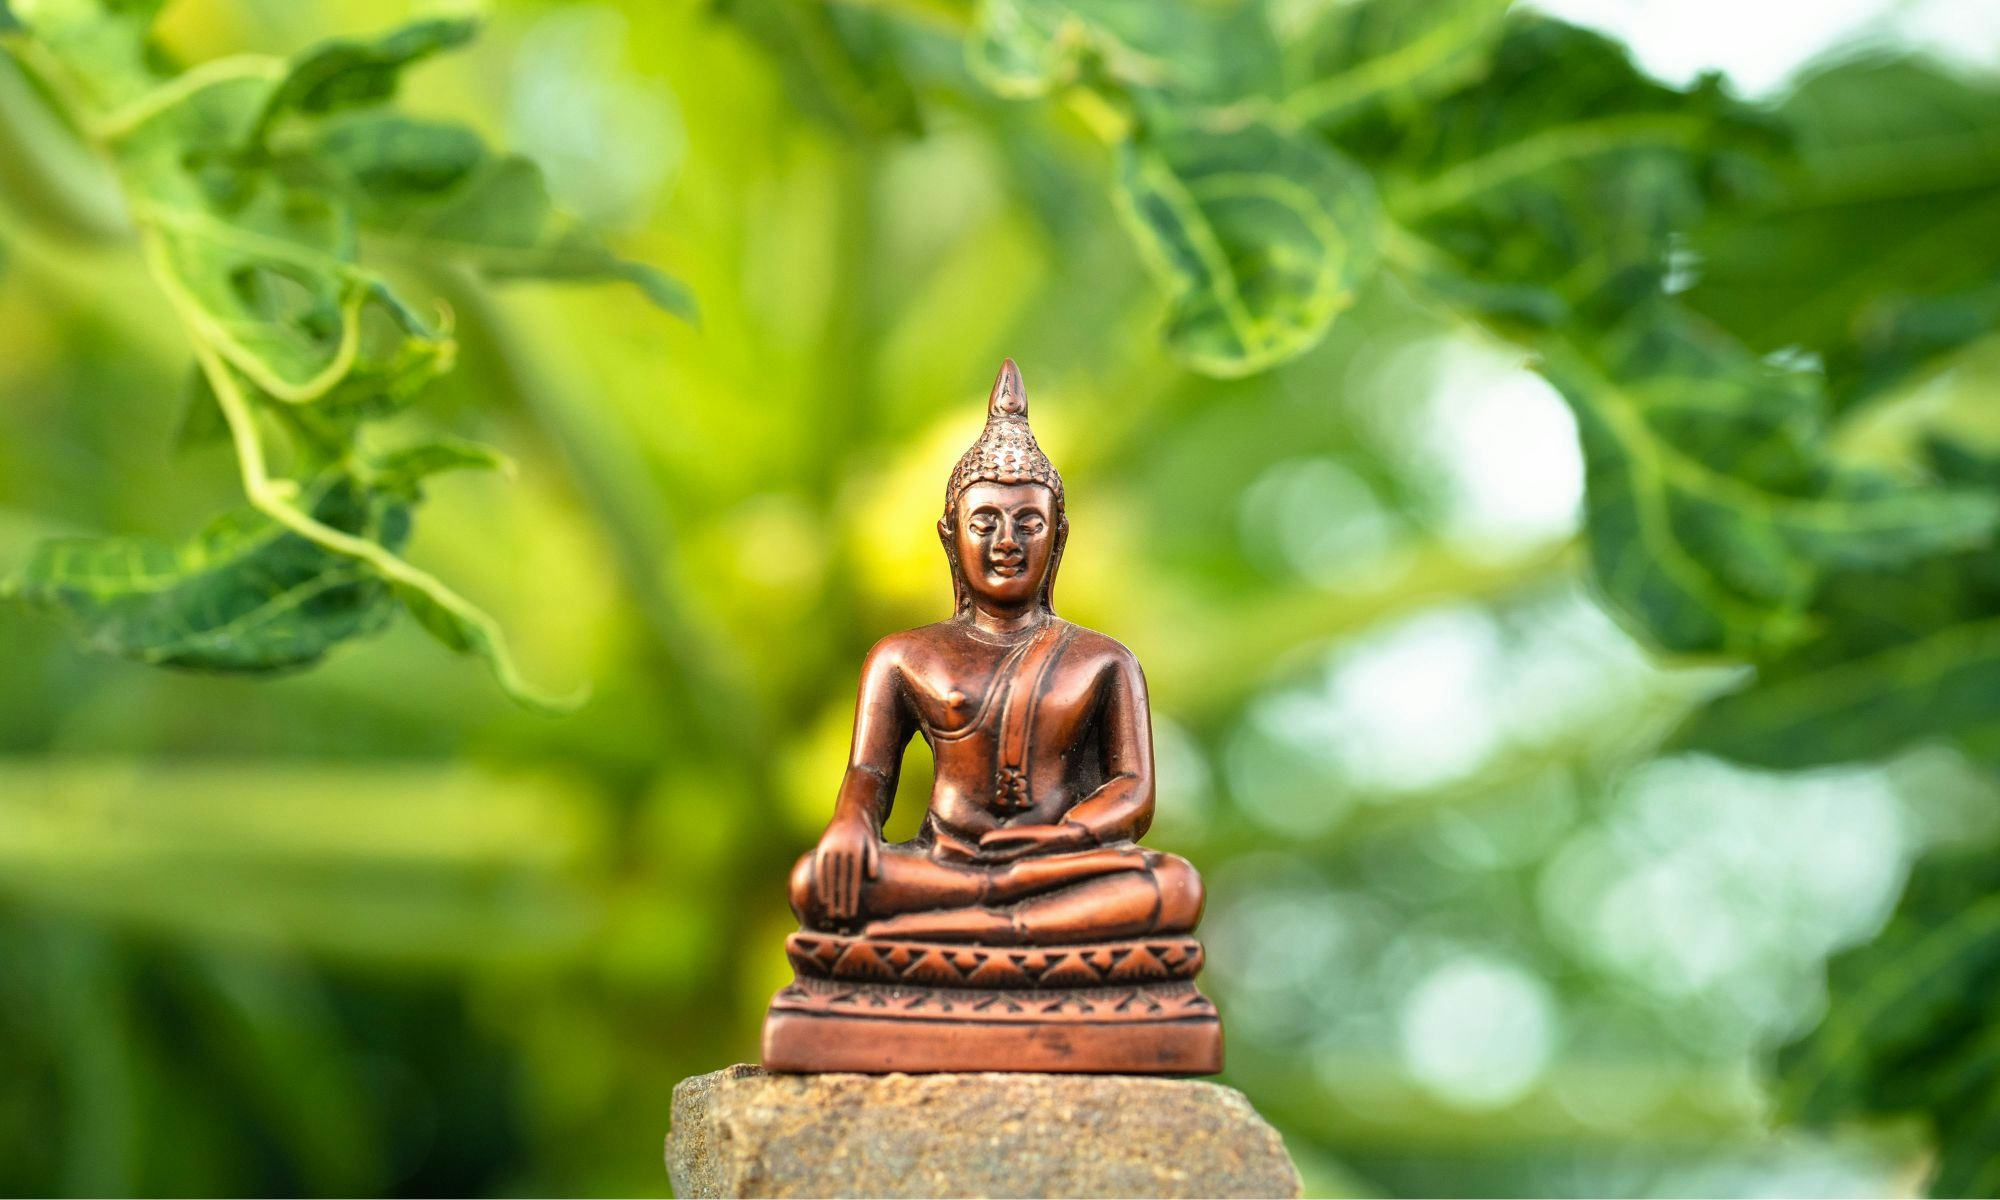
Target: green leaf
352,72
1388,56
244,595
1553,188
403,472
1259,234
464,630
453,632
1901,657
1714,517
1880,248
270,284
1806,713
396,355
433,188
1203,51
1533,174
1911,1029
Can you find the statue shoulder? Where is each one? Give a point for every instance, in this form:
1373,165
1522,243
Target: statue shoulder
906,649
1101,649
888,658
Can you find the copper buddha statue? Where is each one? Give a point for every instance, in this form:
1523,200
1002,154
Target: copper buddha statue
1023,928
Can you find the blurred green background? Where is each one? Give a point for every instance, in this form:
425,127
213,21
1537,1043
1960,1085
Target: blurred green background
372,929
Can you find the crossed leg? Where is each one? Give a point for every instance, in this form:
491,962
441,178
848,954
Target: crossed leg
910,880
1073,896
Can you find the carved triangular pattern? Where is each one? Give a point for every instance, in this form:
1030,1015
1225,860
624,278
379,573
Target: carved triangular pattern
1142,963
1070,970
861,961
816,955
932,966
998,970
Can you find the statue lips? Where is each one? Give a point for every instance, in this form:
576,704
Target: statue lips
1009,560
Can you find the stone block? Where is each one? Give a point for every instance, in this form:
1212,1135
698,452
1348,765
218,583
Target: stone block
744,1131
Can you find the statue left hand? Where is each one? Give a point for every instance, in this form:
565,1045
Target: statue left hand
1017,840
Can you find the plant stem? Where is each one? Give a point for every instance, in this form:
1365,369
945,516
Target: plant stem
274,497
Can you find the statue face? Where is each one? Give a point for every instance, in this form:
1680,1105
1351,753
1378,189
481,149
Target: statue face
1004,536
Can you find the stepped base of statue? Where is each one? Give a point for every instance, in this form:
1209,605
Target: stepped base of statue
746,1132
874,1005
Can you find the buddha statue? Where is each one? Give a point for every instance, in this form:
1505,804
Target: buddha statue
1025,891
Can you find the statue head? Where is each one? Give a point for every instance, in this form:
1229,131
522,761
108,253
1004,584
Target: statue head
1004,527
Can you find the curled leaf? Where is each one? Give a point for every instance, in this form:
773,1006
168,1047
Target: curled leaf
243,595
1219,51
403,471
270,285
1260,234
1714,518
433,188
465,630
1388,54
353,72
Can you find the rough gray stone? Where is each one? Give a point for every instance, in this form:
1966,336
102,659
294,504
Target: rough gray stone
745,1132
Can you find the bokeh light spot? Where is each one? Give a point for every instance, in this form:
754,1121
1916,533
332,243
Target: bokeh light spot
1477,1032
1315,519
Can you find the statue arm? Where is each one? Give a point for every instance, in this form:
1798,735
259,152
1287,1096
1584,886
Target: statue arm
882,729
1122,806
849,852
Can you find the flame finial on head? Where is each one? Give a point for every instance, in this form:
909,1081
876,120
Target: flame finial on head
1006,451
1008,396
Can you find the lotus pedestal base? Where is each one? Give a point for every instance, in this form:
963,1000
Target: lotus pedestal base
874,1006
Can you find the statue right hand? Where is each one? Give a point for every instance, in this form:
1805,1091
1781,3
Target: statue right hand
849,852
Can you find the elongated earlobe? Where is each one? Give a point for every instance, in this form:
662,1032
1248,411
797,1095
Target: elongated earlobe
1055,563
961,596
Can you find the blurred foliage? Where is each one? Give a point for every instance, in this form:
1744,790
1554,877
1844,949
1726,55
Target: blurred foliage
1910,1030
251,180
1509,897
